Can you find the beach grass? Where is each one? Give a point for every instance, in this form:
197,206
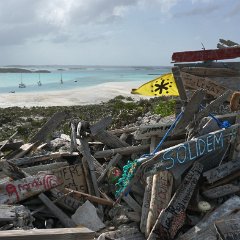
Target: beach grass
124,111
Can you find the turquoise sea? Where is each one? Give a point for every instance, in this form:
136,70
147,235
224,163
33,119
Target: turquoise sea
74,77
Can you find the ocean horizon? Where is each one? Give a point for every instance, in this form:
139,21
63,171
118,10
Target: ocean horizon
67,77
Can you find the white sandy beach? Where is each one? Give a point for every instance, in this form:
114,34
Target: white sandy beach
79,96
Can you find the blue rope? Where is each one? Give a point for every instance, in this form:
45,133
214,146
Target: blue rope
221,124
164,137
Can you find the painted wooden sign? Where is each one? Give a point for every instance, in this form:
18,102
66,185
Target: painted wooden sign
72,177
228,229
190,151
160,197
221,191
147,131
15,191
146,204
222,171
196,82
210,72
206,55
184,153
172,218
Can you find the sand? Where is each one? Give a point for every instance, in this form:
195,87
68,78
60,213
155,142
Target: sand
80,96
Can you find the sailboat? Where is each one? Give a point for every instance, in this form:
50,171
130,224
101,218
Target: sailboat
21,85
39,81
61,81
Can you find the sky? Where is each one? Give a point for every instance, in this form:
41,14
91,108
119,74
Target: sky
112,32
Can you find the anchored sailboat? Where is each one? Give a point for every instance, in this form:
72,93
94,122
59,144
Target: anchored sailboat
21,85
61,81
39,81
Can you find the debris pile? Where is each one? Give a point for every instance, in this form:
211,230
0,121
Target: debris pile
163,178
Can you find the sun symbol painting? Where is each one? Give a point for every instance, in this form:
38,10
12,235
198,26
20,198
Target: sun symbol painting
164,85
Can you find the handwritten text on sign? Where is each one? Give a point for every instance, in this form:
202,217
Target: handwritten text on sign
189,151
15,191
72,177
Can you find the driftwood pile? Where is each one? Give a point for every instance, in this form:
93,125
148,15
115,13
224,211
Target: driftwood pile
65,186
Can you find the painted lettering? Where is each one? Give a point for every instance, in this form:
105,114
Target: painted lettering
179,154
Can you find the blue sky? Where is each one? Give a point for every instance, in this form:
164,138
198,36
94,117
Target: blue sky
112,32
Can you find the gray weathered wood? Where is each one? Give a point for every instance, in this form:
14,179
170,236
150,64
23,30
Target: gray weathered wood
63,218
179,83
220,213
222,171
221,191
228,229
101,125
48,127
171,219
42,158
132,203
146,204
122,151
160,197
15,191
183,153
196,82
208,72
84,149
49,234
190,110
159,129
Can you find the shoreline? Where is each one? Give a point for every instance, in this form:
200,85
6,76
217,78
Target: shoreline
79,96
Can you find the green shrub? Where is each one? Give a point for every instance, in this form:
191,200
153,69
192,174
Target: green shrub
165,108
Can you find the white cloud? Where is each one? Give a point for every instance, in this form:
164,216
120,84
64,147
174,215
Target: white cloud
23,20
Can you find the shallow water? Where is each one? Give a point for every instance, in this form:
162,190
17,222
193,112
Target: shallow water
74,77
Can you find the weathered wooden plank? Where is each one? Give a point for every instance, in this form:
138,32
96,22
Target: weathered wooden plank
206,55
179,83
222,171
84,196
146,204
171,219
147,131
112,163
106,137
193,127
7,213
123,130
44,167
228,43
228,229
15,191
221,191
211,64
84,149
24,149
7,146
49,234
122,151
63,217
132,203
190,110
100,125
207,72
220,213
190,151
48,127
72,177
42,158
196,82
160,197
206,111
184,153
